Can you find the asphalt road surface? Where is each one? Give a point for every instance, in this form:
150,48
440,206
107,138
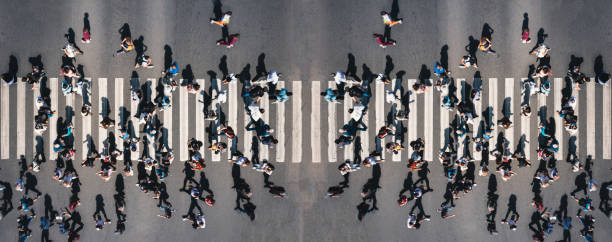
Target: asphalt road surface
306,40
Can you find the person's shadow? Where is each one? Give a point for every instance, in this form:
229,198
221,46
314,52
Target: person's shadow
124,31
167,57
260,69
223,67
388,65
139,47
13,67
100,207
425,74
394,10
525,24
511,206
188,75
472,46
487,31
598,66
351,69
444,57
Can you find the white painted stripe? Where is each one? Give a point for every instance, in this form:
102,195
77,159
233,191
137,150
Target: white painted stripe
6,118
607,122
248,137
184,123
200,124
296,133
315,122
428,124
412,117
477,119
591,117
86,129
151,145
21,124
233,111
134,105
525,126
461,96
280,128
118,103
35,95
380,112
263,149
102,133
365,136
397,157
576,94
348,149
52,128
168,124
331,128
444,123
559,130
496,111
509,91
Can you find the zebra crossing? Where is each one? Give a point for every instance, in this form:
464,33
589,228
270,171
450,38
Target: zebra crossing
306,135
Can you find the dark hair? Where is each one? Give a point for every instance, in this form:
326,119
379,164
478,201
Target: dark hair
228,12
323,94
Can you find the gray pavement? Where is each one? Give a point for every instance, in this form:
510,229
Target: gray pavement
306,40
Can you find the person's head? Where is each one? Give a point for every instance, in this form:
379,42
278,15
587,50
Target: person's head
289,94
228,13
389,145
383,13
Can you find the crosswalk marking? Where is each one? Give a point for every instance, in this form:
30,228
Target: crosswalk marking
315,122
428,123
525,126
477,119
557,87
86,129
508,90
365,136
152,83
102,134
348,149
134,105
412,117
168,124
4,132
444,124
492,115
200,126
21,99
183,123
52,128
331,127
380,111
296,134
607,117
459,92
280,128
576,94
233,111
590,95
119,116
248,137
265,104
17,97
200,120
